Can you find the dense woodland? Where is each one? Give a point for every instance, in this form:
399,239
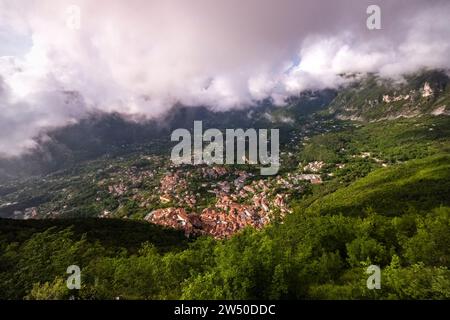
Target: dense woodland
397,217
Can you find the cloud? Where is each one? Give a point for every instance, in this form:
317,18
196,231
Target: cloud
424,44
141,57
21,121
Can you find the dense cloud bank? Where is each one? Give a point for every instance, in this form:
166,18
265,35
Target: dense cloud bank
141,57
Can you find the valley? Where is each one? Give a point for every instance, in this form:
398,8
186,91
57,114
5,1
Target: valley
364,179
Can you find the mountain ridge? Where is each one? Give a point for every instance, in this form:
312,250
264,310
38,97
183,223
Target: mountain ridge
367,98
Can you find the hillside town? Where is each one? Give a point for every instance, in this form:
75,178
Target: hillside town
240,201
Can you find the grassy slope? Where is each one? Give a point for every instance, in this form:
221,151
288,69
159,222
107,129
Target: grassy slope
422,184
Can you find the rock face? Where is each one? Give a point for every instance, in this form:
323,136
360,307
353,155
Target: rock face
427,91
373,98
442,110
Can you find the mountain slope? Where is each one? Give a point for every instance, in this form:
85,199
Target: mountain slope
372,98
421,184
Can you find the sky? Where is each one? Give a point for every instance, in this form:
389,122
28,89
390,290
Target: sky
62,59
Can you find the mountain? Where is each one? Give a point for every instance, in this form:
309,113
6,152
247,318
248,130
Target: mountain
373,98
369,98
364,180
111,135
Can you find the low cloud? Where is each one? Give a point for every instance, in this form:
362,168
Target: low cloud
141,57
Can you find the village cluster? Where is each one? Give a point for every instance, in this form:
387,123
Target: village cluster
240,200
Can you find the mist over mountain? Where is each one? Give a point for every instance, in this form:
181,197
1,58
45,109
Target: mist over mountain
113,134
143,57
101,134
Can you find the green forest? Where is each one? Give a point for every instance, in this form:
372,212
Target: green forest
321,251
390,208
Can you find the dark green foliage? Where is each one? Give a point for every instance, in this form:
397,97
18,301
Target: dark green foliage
308,256
111,233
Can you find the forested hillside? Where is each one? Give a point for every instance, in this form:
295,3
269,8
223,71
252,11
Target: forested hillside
384,201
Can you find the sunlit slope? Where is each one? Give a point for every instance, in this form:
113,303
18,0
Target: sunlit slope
422,184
